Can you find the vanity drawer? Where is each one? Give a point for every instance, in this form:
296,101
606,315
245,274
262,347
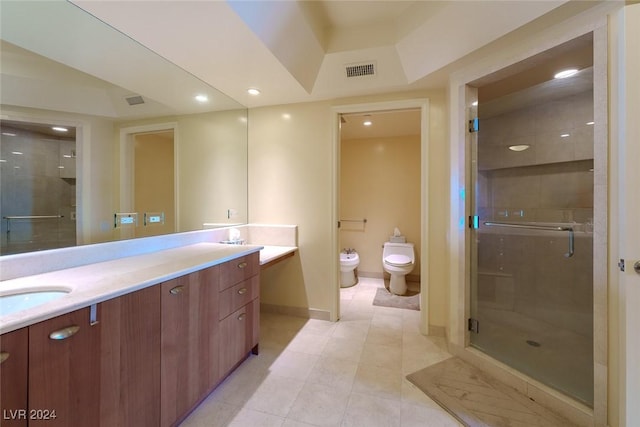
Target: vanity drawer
239,335
231,299
238,270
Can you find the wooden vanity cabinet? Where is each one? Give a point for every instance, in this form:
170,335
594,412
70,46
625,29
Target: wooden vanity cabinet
190,342
14,377
239,310
130,371
148,359
239,335
102,373
64,371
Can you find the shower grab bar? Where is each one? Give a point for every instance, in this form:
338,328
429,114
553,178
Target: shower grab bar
9,218
33,216
540,227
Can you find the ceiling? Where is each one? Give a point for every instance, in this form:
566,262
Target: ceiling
292,51
297,51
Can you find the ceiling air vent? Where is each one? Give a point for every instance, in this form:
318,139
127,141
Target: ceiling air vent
135,100
361,70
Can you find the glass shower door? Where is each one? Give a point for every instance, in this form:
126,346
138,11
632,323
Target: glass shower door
532,252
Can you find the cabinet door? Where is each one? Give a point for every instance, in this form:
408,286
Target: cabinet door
64,371
238,335
130,388
189,342
14,374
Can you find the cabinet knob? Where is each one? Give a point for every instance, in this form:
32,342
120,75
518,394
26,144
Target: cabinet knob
176,290
242,291
242,316
4,356
242,265
64,333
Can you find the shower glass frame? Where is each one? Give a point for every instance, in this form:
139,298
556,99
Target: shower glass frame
536,317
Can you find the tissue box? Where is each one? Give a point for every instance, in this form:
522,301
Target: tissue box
398,239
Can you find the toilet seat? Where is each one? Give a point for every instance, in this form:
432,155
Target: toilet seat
398,260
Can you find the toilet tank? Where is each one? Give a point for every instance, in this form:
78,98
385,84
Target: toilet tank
398,249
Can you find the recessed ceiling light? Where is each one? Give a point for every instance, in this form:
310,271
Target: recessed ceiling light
565,135
520,147
474,103
18,153
60,129
590,123
202,98
8,134
367,120
253,91
566,73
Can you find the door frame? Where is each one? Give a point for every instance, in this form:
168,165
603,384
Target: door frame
459,310
625,152
127,197
423,105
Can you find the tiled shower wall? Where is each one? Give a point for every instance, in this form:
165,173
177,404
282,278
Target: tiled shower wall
36,180
552,181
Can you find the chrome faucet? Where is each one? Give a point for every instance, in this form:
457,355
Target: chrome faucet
349,251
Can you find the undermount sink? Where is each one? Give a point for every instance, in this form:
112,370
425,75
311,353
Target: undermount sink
21,300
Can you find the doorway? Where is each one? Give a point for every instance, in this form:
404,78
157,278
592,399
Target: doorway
532,235
148,185
546,189
153,182
422,107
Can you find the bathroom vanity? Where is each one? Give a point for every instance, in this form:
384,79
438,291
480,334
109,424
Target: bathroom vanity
139,340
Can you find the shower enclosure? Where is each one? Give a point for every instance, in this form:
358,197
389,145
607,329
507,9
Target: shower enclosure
532,234
37,188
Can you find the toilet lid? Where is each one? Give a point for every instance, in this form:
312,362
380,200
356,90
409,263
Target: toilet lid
397,259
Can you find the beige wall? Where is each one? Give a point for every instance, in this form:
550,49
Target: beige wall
211,165
379,181
290,182
153,181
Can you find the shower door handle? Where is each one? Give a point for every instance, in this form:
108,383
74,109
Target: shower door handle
568,254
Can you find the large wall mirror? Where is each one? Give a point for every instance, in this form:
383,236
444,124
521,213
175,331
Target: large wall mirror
148,148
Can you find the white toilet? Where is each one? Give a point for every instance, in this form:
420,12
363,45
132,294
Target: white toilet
349,260
398,259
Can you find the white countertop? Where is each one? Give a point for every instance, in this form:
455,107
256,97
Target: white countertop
269,254
98,282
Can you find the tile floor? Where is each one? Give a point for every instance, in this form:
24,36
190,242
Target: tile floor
318,373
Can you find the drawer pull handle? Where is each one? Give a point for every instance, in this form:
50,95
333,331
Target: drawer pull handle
242,316
177,290
4,356
242,265
64,333
242,291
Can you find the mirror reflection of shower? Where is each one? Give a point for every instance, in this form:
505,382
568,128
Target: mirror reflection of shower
38,186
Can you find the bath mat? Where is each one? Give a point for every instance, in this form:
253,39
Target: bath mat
384,298
478,400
